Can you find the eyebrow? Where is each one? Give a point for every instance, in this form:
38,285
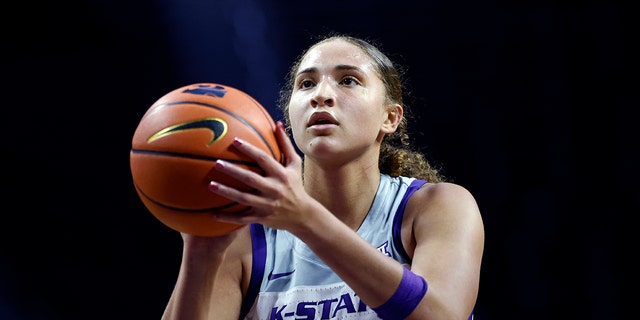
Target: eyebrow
340,67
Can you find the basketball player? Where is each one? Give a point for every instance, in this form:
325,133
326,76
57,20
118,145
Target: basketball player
359,227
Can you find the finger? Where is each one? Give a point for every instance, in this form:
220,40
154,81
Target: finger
244,175
241,197
269,164
237,218
288,150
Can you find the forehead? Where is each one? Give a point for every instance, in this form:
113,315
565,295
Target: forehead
337,52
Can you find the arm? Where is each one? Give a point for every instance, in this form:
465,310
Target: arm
448,235
210,277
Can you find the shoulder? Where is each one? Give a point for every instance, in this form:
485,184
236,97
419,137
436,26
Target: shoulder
443,193
444,206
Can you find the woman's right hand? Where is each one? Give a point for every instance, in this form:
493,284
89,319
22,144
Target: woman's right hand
199,292
212,245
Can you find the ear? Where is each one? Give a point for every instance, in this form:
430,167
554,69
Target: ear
394,116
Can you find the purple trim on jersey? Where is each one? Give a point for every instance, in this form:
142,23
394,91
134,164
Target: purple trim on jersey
397,221
259,249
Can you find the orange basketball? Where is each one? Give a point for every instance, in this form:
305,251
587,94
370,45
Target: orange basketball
176,144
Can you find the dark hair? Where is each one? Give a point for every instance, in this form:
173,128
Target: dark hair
397,158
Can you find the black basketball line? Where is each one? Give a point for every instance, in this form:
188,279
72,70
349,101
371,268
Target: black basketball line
205,210
264,112
188,156
193,156
234,115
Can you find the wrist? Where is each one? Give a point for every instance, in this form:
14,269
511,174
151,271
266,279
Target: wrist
408,295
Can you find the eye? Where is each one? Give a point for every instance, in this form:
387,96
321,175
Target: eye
305,84
349,81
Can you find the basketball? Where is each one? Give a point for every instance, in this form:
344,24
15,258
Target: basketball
175,147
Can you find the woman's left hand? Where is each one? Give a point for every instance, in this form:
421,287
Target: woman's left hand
278,197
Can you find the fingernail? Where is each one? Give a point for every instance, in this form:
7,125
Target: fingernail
213,186
237,141
220,164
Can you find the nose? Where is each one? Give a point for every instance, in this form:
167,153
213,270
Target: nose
324,95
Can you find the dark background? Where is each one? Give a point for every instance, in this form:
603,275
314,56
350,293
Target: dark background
528,104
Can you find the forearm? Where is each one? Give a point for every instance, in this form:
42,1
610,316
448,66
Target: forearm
192,294
372,275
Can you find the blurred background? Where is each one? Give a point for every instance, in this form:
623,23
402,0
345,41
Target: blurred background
527,104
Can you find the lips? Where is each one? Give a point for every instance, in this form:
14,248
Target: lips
319,118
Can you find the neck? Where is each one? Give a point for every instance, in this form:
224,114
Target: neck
347,191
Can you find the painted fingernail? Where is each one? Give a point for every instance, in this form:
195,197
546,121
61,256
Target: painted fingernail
213,186
220,164
237,141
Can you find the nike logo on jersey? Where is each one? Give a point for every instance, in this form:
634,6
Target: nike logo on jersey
273,276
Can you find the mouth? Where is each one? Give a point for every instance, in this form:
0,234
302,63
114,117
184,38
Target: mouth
320,118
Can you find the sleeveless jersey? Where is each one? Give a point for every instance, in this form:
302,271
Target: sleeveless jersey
288,281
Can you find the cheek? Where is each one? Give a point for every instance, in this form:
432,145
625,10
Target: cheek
295,113
296,118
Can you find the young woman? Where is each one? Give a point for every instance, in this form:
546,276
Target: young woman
360,227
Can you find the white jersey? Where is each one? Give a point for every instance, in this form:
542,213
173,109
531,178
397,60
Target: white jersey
288,281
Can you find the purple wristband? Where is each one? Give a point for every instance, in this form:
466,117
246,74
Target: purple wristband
411,290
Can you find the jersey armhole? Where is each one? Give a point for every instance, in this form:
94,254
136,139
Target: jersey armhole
259,258
397,220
